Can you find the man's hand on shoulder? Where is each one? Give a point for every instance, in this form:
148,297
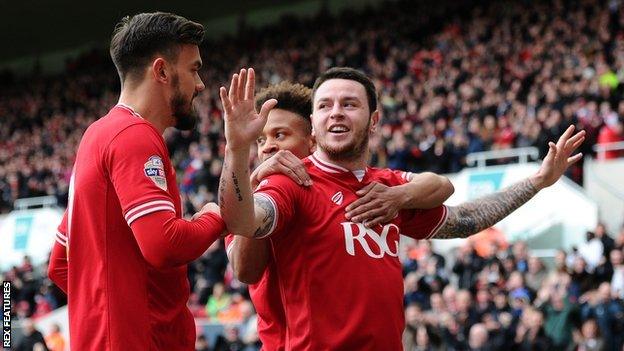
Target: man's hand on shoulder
284,162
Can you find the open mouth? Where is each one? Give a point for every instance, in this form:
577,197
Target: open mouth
338,129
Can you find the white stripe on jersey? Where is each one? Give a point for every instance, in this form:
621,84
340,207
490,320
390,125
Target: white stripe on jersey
228,249
440,223
274,224
61,236
322,167
150,210
136,209
58,240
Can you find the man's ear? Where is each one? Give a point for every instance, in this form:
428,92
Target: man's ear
374,122
312,144
160,70
313,132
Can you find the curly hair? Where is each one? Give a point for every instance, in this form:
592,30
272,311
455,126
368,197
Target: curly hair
292,97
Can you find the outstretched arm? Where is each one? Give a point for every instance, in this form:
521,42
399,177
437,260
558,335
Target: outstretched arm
380,203
474,216
243,214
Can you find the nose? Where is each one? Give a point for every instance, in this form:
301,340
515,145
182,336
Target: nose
336,111
200,85
270,147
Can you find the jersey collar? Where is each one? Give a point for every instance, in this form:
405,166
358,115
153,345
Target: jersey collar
129,109
329,167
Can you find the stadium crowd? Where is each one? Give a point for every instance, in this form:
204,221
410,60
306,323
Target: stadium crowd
453,78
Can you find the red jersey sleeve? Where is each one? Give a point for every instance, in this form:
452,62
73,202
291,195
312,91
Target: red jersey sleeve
57,267
282,193
423,224
138,166
228,244
61,231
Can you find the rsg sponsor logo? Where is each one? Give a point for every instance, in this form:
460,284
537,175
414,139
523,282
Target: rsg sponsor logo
357,232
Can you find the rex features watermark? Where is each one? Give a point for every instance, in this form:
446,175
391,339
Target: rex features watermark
6,314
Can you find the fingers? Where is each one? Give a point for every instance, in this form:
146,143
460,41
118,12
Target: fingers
233,87
575,141
572,160
365,189
566,135
251,84
242,80
552,148
362,205
371,217
291,161
267,107
225,101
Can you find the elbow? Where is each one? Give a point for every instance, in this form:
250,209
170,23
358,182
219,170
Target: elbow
241,229
160,261
246,275
447,187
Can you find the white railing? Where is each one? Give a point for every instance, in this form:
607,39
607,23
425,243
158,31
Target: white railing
40,201
524,155
601,149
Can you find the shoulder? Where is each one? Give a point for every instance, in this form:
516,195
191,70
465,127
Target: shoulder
388,176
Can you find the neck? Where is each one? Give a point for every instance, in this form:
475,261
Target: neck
355,164
141,99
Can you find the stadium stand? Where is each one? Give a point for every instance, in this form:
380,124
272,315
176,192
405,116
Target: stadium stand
463,77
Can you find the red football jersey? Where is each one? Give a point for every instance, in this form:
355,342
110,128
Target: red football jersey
267,301
341,282
117,301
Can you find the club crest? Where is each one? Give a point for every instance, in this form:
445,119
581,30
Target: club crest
155,170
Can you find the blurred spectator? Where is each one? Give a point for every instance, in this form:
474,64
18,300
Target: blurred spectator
218,302
55,340
230,341
32,339
530,333
608,313
201,344
588,339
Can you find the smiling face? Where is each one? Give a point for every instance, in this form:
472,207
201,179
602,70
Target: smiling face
341,119
285,130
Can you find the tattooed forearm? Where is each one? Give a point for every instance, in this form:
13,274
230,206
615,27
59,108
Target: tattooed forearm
222,183
236,187
267,219
474,216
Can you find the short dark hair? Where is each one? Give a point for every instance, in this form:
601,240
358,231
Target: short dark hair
295,98
137,39
350,74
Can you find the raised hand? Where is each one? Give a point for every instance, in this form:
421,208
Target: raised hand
558,158
243,123
284,162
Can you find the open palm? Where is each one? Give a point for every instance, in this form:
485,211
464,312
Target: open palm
243,123
559,158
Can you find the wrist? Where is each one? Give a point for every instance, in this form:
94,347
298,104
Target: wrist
237,149
399,193
537,181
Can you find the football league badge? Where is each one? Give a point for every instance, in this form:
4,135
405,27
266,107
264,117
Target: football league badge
155,170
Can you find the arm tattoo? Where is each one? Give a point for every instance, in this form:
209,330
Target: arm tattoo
269,216
236,187
222,183
474,216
